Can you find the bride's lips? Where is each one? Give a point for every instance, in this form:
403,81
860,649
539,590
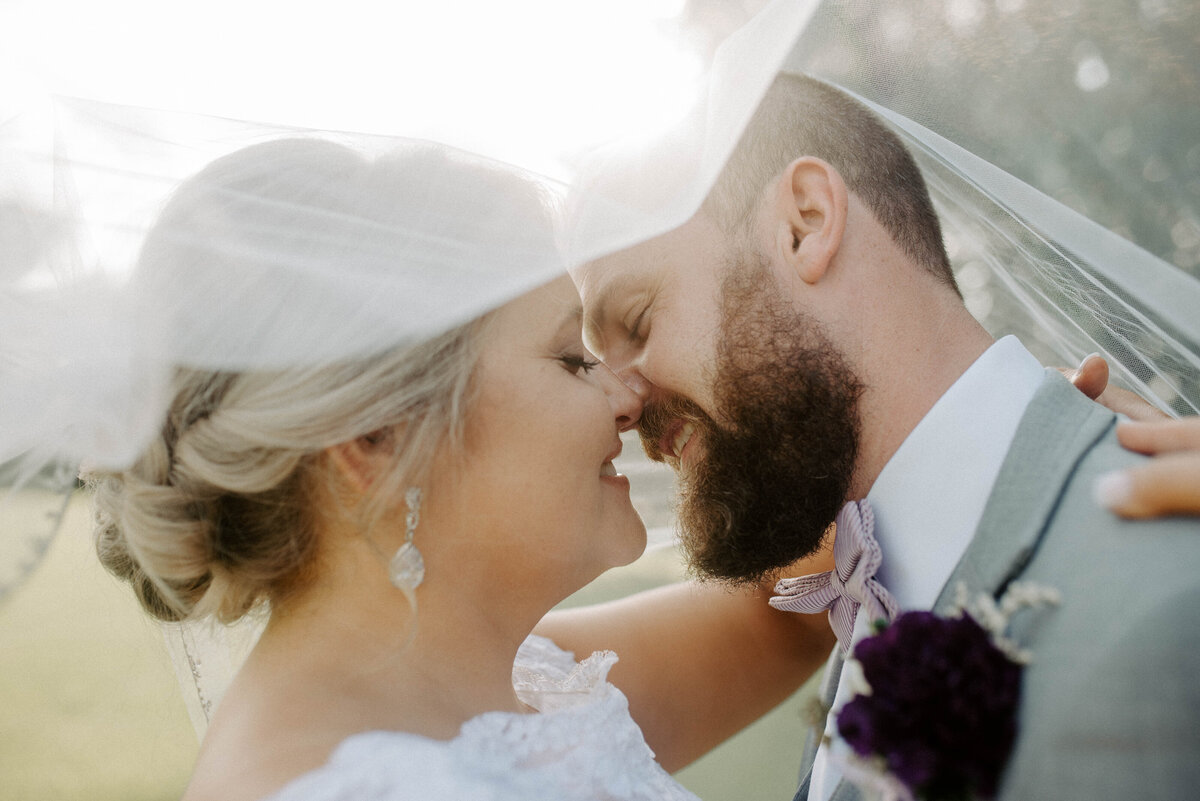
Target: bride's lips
608,471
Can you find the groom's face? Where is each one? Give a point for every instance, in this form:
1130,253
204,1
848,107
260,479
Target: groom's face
744,396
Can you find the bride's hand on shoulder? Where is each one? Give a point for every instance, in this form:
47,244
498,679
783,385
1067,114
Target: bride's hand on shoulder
1091,378
1169,483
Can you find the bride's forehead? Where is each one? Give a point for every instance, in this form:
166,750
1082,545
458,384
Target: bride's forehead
558,296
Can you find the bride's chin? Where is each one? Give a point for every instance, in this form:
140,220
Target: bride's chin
626,547
637,545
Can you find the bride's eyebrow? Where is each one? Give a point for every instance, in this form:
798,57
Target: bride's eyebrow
572,320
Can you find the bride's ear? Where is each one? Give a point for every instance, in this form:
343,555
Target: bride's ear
362,461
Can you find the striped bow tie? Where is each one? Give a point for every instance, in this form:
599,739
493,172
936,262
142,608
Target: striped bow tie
851,584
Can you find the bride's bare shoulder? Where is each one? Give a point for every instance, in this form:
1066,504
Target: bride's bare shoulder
258,742
283,718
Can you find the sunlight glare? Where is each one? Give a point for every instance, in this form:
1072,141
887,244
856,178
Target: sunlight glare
527,82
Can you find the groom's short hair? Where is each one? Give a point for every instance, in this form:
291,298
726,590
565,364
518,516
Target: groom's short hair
801,116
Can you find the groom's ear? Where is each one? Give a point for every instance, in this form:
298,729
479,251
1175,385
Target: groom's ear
811,203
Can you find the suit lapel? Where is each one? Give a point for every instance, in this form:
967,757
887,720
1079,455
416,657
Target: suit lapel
1057,429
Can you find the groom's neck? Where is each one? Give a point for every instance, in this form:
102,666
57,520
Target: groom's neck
912,354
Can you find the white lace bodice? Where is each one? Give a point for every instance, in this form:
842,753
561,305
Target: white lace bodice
583,746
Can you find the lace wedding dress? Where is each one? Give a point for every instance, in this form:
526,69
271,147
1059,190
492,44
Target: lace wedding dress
582,745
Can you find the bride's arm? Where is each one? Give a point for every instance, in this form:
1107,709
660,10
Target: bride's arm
699,662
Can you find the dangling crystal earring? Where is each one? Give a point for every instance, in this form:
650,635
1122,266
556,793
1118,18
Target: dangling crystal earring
407,569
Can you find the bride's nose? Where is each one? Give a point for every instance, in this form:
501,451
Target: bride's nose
626,404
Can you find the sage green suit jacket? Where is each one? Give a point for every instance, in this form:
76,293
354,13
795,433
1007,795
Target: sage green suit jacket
1110,706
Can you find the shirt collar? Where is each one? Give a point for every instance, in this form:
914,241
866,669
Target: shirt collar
930,496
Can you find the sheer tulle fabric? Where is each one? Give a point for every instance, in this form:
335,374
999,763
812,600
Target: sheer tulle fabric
88,343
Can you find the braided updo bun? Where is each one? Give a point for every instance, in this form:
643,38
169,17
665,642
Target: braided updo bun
205,522
219,512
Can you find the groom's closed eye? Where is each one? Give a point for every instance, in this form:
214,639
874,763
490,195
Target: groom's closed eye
615,304
637,326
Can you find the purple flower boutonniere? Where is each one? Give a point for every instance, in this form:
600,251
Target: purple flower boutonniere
934,710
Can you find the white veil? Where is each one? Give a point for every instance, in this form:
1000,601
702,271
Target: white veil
1061,141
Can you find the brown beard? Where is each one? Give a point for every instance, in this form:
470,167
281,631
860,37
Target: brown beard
778,466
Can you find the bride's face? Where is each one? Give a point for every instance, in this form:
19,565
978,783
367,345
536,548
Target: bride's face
540,442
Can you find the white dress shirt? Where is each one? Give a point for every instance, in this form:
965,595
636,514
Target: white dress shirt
929,497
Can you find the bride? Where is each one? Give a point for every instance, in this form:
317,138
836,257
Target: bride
408,517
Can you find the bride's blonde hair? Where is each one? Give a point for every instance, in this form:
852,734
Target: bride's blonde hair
220,512
217,515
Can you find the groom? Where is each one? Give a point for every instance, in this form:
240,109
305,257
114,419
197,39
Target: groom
801,342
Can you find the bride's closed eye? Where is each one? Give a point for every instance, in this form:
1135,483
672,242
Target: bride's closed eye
575,362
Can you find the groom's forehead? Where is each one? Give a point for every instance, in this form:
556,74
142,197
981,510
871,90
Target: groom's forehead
605,282
611,276
692,245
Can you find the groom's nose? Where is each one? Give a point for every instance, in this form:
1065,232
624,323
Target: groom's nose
632,378
626,403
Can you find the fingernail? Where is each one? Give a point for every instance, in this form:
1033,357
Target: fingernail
1113,490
